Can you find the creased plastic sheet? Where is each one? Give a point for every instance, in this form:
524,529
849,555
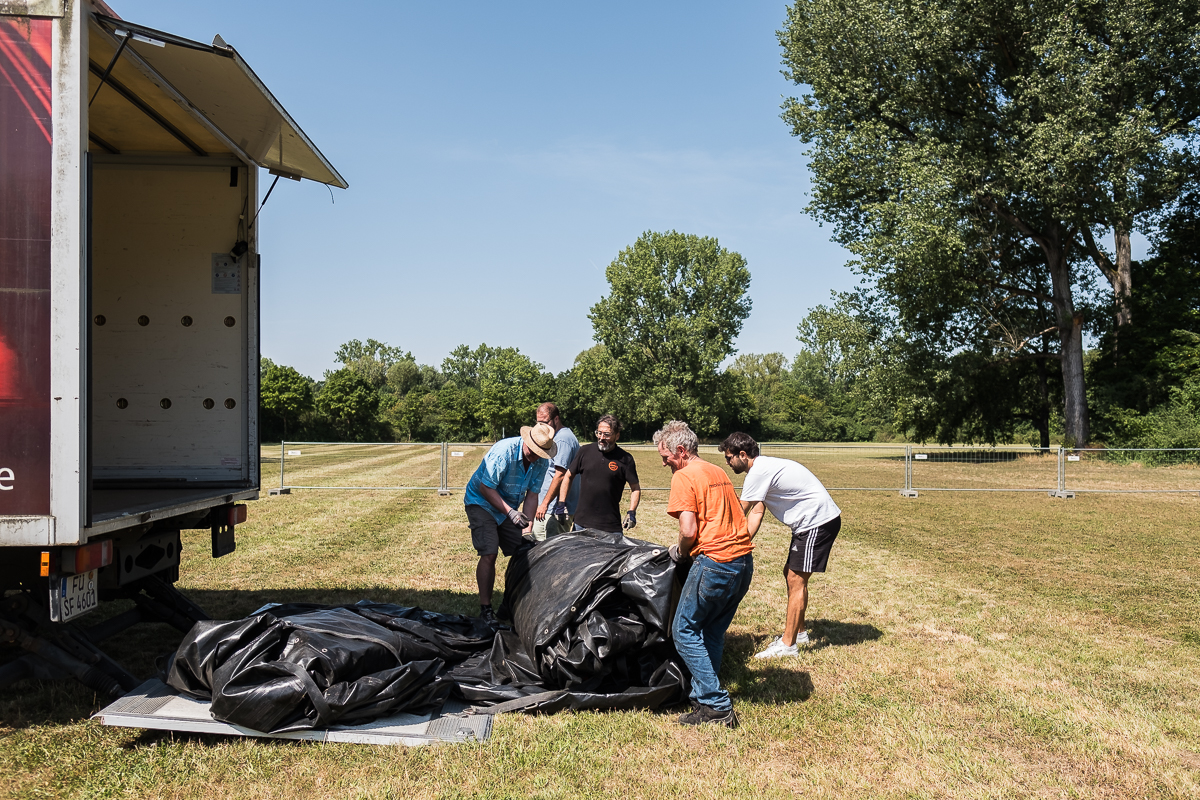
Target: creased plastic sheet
591,615
297,667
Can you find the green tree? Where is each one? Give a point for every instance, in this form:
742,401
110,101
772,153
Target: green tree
676,303
934,125
372,360
464,366
285,396
844,377
774,410
415,416
511,388
350,404
1147,393
458,413
589,390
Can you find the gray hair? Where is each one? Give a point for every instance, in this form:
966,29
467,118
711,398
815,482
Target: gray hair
677,434
613,423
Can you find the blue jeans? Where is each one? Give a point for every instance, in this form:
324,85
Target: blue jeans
707,604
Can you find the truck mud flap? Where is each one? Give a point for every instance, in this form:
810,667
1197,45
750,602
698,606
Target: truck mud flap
155,706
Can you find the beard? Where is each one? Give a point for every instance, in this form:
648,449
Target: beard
605,447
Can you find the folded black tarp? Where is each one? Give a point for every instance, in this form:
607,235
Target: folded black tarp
591,615
591,619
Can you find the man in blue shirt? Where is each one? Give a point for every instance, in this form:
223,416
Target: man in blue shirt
547,522
508,477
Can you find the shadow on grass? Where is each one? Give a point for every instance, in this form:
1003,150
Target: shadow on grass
828,632
778,680
755,681
152,738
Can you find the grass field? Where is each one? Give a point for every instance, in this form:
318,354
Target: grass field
985,645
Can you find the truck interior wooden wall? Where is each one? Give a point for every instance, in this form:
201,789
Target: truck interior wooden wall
169,308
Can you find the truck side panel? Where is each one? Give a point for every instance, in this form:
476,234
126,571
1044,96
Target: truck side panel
25,266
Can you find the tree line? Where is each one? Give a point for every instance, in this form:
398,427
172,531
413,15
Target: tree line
664,350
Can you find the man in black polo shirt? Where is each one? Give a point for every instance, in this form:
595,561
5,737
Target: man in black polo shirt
603,469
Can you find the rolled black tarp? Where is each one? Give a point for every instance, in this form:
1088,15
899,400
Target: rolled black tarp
302,666
591,617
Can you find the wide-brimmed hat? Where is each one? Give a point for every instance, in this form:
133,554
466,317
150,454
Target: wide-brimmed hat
540,439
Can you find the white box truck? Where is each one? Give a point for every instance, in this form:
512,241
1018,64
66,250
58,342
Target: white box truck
129,315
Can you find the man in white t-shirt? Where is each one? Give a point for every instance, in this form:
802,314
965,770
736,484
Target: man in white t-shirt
799,501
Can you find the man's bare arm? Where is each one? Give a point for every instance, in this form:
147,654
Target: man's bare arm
493,497
564,488
689,528
635,496
531,504
754,516
552,492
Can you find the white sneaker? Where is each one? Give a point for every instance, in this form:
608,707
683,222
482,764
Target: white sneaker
777,649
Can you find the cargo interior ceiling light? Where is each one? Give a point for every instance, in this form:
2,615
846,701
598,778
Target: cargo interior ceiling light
154,92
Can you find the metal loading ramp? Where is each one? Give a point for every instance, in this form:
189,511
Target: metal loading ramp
155,706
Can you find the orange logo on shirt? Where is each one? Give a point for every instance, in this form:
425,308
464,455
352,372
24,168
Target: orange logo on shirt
612,466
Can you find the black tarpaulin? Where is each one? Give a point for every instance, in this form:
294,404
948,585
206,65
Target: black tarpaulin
591,616
300,666
591,619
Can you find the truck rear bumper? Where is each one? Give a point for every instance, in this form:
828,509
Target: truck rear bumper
114,509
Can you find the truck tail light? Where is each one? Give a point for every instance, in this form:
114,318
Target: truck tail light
45,564
237,515
88,557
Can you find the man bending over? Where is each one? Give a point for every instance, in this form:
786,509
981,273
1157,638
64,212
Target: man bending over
799,501
507,478
712,530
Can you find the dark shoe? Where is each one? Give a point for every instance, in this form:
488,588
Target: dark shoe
707,715
488,615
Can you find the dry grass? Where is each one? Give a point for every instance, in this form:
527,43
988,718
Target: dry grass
967,646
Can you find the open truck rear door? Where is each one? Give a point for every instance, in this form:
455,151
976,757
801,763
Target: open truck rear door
129,314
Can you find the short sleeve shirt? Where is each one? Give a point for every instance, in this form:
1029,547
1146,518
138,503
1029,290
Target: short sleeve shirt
705,489
568,446
503,469
601,477
790,492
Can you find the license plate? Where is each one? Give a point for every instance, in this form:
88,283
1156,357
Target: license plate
72,595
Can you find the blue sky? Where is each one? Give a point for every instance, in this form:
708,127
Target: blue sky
500,155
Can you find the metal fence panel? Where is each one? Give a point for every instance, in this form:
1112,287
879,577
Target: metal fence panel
848,467
984,469
461,461
868,467
332,465
1130,470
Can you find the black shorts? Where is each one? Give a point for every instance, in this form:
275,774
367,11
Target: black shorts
810,549
490,537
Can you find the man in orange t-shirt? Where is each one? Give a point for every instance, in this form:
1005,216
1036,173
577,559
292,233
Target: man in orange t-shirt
712,530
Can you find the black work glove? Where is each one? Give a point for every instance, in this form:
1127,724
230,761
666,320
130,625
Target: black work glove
560,514
518,519
630,520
